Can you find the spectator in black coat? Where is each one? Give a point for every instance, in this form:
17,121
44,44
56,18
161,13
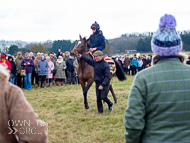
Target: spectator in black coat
12,70
59,52
33,68
70,70
149,60
145,62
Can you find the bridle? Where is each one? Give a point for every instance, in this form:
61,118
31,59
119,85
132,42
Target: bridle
81,50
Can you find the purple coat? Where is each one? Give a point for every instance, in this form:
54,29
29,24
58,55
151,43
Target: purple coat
28,67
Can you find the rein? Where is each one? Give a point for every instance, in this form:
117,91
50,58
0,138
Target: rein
82,67
80,51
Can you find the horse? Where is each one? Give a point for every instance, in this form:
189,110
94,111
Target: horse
85,71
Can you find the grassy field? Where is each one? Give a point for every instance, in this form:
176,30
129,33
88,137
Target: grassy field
63,109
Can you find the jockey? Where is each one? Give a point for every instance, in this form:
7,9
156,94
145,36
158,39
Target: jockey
97,40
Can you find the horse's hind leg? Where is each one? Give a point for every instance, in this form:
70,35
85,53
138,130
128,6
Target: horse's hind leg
113,94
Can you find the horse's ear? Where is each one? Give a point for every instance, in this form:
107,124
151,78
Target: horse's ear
80,37
84,39
88,43
87,39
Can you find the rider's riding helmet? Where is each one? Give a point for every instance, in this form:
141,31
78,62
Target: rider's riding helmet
95,26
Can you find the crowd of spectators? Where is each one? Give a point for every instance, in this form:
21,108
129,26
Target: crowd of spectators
41,69
131,63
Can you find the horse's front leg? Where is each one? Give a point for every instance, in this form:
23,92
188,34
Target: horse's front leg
89,83
83,88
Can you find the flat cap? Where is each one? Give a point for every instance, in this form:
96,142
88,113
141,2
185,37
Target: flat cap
98,53
19,53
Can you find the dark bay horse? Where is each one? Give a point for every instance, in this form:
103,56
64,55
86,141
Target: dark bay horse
86,72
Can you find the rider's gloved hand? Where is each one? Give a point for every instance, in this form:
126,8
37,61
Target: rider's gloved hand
92,49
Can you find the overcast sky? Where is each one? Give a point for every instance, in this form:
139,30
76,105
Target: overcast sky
41,20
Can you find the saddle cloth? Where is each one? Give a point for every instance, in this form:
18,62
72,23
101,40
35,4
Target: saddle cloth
110,62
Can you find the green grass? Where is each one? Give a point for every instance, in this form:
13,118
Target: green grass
68,121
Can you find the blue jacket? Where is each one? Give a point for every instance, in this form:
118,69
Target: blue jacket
140,63
98,41
42,67
134,62
101,71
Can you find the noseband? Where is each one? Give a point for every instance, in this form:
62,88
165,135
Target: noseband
83,48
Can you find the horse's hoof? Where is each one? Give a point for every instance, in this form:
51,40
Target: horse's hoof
87,107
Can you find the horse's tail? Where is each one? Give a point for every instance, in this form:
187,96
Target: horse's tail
119,71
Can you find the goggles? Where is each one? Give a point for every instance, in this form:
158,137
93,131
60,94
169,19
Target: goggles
94,27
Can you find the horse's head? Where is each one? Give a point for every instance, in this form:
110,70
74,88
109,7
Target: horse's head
80,46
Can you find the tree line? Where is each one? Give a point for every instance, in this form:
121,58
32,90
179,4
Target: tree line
141,44
144,44
48,47
116,45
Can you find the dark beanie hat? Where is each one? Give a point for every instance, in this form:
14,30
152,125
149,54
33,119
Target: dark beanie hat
9,57
95,26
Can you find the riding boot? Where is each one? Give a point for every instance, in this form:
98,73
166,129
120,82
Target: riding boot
39,84
44,84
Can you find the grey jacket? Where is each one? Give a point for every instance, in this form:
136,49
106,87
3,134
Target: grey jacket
60,67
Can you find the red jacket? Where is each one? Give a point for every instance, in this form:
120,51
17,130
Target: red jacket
5,62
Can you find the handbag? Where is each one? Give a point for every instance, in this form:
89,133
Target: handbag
23,72
55,70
